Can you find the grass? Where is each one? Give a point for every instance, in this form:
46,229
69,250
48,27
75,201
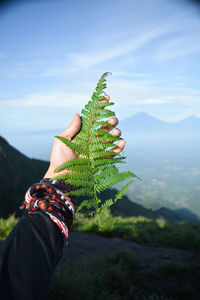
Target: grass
120,276
143,230
6,225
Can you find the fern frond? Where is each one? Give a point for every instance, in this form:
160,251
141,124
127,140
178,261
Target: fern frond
96,105
86,113
122,191
78,175
92,203
101,123
105,205
113,180
82,138
82,192
81,168
100,162
96,170
76,148
77,182
104,104
104,116
100,132
85,203
105,172
102,154
104,111
101,87
101,146
68,165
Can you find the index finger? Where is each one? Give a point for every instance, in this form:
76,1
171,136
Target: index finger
106,99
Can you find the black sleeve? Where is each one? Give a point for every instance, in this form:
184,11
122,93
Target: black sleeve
28,258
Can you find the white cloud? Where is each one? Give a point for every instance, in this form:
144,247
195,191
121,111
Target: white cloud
125,46
53,99
125,93
132,93
183,40
178,47
22,69
153,101
169,40
68,72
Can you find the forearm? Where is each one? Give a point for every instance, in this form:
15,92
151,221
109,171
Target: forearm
30,253
29,257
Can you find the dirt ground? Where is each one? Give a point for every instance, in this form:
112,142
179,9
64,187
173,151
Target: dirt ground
83,245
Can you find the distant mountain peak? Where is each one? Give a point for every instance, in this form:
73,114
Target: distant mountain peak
143,121
192,117
145,116
191,123
142,114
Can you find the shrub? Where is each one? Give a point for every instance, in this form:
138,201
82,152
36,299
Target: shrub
6,226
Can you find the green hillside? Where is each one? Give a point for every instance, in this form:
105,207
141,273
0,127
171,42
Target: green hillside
126,208
17,173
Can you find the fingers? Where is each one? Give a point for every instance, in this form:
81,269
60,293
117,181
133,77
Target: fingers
73,128
116,132
120,146
112,121
106,98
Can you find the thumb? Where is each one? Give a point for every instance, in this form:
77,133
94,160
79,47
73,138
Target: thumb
73,128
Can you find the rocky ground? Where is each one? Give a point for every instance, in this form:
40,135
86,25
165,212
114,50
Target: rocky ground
83,245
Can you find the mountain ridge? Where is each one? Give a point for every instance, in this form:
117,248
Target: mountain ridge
145,122
17,173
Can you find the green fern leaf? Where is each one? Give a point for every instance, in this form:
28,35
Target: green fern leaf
101,154
85,203
81,192
101,123
103,162
76,148
68,165
122,191
105,205
94,170
113,180
104,104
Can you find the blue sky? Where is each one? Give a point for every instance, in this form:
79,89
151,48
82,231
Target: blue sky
53,52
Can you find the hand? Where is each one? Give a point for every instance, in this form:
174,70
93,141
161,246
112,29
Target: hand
61,153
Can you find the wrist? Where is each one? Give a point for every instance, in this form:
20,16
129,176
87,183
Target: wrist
51,200
50,172
62,186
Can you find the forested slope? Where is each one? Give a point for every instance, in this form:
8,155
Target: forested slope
17,173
